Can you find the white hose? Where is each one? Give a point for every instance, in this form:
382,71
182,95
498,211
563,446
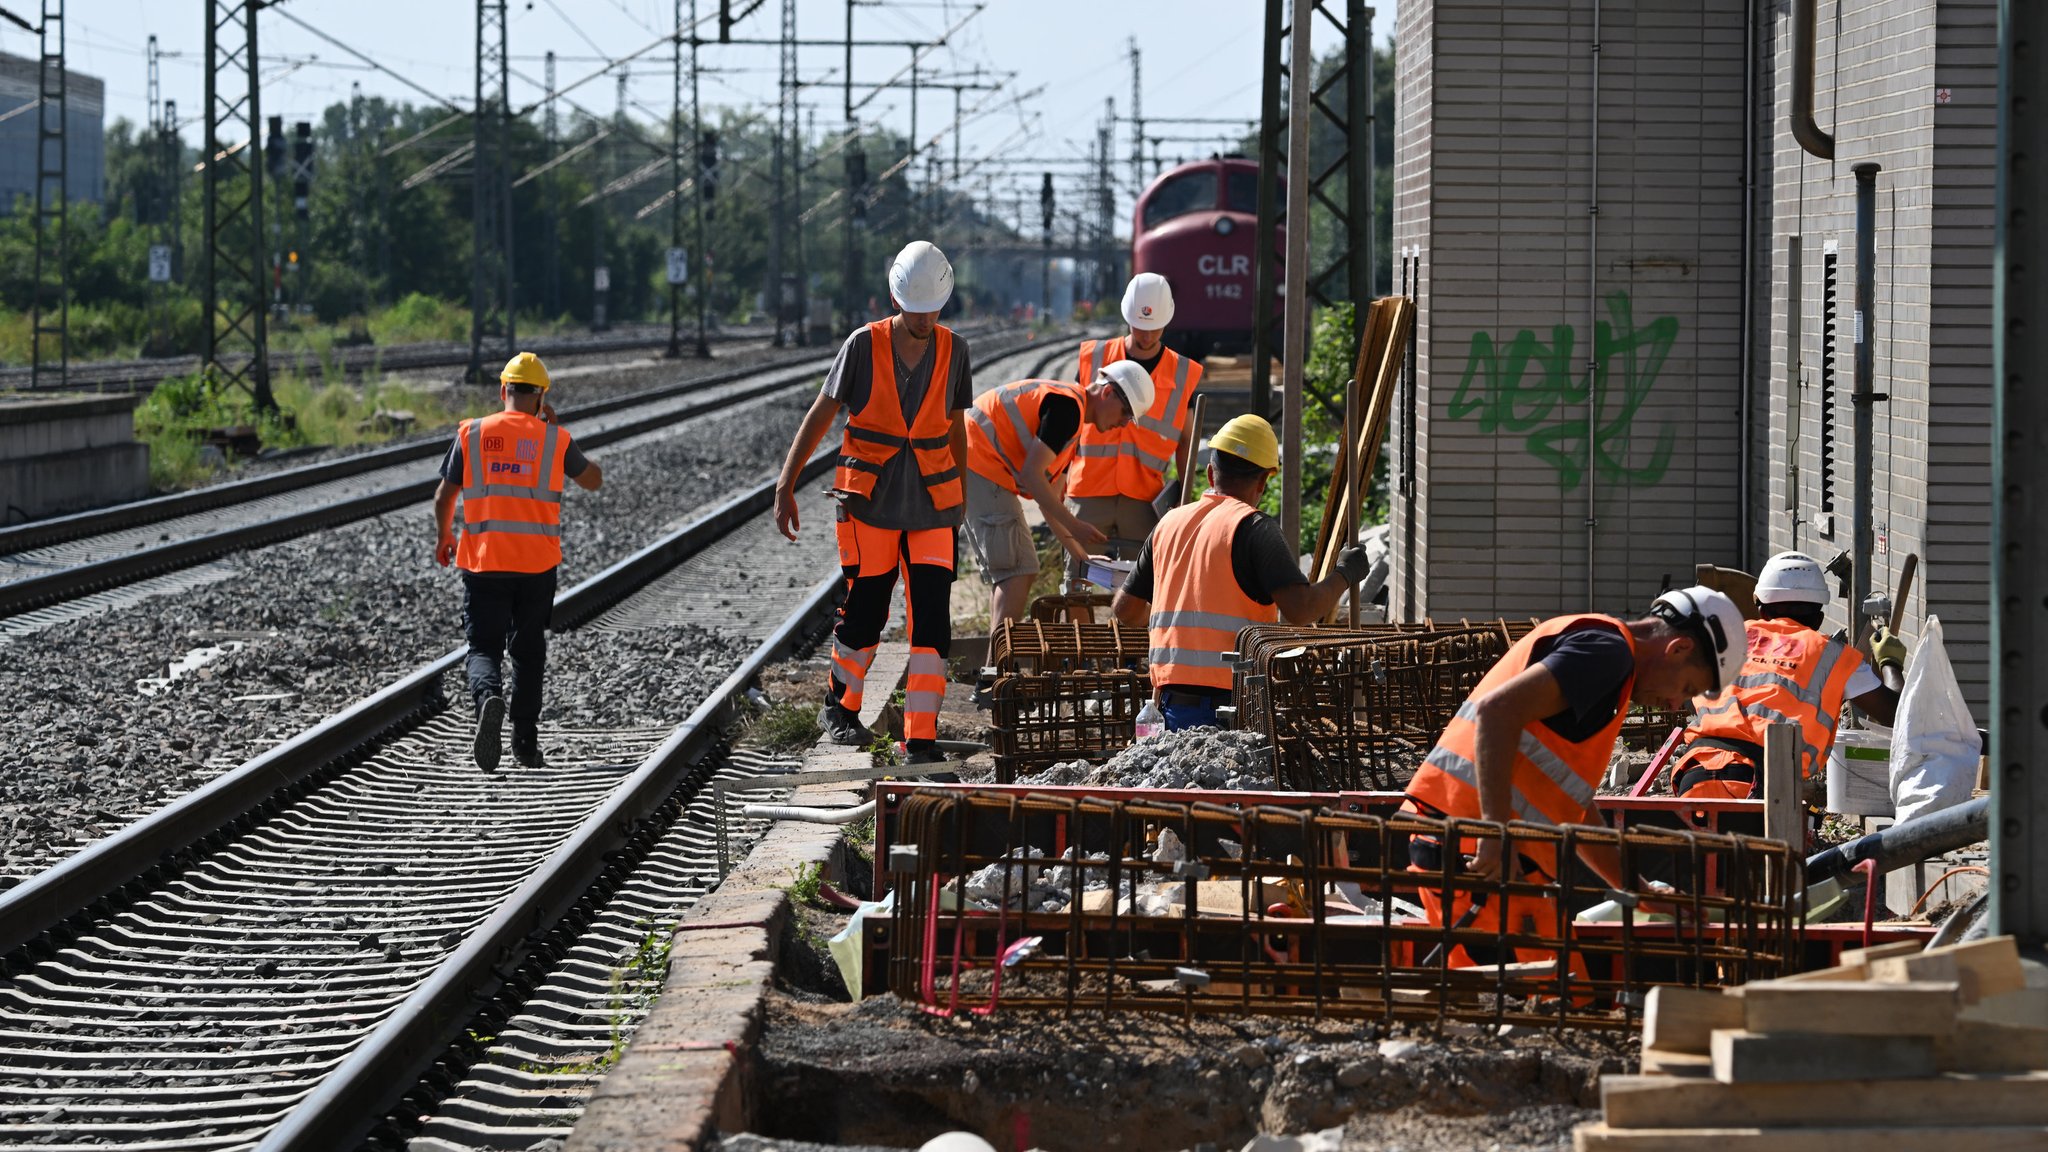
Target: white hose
810,815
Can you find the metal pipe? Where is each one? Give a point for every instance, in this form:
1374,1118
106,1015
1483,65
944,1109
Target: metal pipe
1908,843
1863,398
1805,45
1593,317
1295,316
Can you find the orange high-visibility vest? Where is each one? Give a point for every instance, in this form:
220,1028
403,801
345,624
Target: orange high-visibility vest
1553,778
1197,606
1003,423
876,433
1131,460
1792,673
511,493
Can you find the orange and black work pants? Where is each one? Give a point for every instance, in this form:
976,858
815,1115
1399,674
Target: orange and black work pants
1523,915
872,558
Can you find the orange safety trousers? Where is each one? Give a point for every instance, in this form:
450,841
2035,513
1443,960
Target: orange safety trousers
872,558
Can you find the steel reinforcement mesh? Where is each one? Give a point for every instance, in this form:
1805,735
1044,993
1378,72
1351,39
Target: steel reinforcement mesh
1029,900
1038,721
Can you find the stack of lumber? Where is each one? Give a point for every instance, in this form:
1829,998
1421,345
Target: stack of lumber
1895,1049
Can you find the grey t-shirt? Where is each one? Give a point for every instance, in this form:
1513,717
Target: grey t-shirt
900,501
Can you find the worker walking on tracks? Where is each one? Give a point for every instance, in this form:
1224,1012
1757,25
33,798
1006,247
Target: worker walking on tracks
1119,477
904,383
508,469
1792,673
1020,439
1533,740
1216,566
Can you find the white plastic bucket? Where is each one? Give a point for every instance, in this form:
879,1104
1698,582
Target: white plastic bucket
1859,773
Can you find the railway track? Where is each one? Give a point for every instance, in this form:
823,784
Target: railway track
357,935
279,957
142,375
49,568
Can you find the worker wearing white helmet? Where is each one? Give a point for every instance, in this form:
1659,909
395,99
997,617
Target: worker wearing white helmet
1119,475
1533,741
905,383
1793,672
1020,439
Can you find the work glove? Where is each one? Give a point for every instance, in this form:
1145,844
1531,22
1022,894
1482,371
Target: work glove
1887,649
1353,565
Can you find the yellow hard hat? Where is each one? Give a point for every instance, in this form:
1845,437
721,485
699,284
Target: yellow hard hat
525,368
1250,438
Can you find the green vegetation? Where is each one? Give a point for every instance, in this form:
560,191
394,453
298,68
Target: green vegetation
635,986
808,883
785,727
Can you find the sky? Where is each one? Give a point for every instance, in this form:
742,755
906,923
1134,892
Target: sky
1198,59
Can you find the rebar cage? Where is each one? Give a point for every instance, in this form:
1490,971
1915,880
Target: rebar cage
1037,647
1063,899
1038,721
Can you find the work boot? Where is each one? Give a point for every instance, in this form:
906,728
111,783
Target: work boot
924,754
526,746
842,725
487,745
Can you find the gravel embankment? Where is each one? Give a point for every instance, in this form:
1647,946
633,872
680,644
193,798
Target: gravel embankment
324,621
1193,758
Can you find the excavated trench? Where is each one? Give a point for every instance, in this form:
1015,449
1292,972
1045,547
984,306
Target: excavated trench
884,1074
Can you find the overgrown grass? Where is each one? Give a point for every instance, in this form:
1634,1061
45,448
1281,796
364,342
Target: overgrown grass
808,883
321,410
786,727
635,986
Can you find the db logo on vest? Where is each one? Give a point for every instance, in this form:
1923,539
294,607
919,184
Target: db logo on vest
494,443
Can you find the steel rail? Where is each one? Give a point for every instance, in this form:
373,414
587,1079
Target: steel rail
68,583
48,899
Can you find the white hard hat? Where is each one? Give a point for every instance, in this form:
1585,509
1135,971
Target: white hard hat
1133,381
1792,578
1712,619
1148,302
956,1142
920,279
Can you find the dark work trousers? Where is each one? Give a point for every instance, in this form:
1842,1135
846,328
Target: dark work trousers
508,612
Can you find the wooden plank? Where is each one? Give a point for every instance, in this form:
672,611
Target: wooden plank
2026,1008
1783,1057
1998,1048
1863,956
1656,1062
1668,1102
1784,818
1685,1019
1980,967
1843,973
1846,1009
1601,1137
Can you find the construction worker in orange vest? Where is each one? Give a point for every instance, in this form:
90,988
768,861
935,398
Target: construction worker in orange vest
904,383
1792,673
1533,740
1216,566
508,469
1020,439
1119,477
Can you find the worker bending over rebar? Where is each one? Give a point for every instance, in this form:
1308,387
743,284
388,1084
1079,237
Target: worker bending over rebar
1534,739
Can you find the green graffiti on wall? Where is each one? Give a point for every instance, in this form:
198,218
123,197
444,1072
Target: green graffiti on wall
1538,390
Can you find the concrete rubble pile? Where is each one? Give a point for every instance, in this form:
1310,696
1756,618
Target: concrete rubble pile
1192,758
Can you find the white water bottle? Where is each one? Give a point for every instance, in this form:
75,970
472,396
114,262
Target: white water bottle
1151,721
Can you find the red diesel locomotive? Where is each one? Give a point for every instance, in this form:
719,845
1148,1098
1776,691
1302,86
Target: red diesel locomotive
1196,225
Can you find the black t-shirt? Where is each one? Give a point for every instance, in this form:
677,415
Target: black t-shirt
1592,664
1059,420
1150,365
1259,559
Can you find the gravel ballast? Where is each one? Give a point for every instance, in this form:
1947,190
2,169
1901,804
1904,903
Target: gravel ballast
322,621
1191,758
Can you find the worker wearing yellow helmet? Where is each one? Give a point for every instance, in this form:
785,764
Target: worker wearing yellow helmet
508,469
1219,565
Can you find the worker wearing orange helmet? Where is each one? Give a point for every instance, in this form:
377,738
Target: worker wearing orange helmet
508,470
1119,477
